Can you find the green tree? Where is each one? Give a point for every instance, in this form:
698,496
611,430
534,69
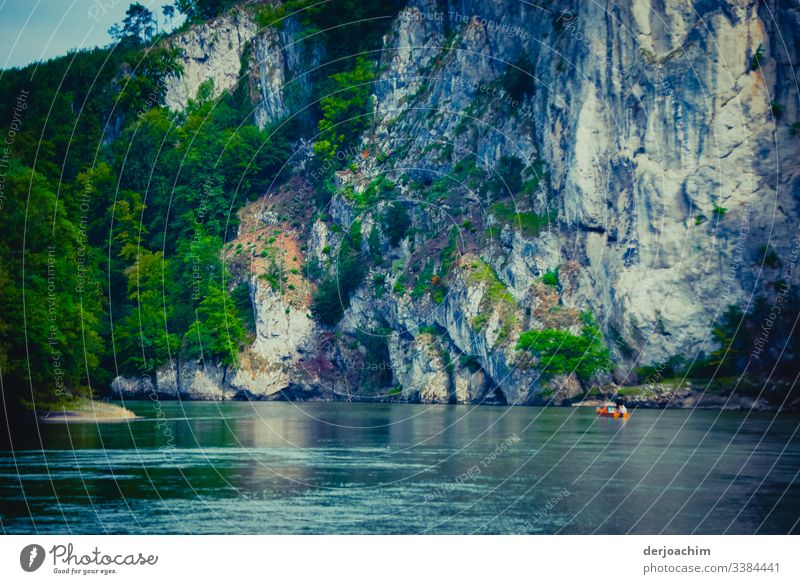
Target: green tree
143,86
332,297
728,358
217,334
147,194
396,222
196,10
508,177
139,24
345,109
49,296
142,154
365,25
168,10
143,336
561,352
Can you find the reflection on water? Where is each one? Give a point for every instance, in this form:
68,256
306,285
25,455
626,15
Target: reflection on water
387,468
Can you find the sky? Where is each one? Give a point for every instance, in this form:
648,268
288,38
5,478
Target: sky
33,30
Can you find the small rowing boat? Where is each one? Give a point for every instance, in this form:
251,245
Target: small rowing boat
612,412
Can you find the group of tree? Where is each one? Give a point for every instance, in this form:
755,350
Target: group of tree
560,352
116,210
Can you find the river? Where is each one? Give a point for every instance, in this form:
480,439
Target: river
317,467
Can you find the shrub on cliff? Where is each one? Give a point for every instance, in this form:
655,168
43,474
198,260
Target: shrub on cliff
561,352
332,297
550,278
529,223
199,10
345,110
396,223
518,80
507,179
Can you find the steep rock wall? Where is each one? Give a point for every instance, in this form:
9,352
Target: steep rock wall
209,52
650,141
234,49
647,120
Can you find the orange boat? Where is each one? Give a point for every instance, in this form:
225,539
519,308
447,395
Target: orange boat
611,412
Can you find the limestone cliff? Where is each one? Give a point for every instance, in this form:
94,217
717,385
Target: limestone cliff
643,153
232,50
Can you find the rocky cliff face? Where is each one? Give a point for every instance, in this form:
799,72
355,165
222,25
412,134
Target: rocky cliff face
233,49
210,52
641,152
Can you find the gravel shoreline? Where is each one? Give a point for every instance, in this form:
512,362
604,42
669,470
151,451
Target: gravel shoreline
89,411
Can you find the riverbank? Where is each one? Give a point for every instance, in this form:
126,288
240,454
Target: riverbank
667,394
700,394
88,411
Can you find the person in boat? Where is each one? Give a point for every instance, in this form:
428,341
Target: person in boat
622,409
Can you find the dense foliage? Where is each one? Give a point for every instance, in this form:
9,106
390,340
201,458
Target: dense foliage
333,294
119,210
396,222
560,352
199,10
345,110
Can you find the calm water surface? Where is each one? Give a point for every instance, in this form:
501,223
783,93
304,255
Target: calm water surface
274,467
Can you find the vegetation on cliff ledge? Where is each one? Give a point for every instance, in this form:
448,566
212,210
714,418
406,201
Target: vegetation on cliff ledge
561,352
